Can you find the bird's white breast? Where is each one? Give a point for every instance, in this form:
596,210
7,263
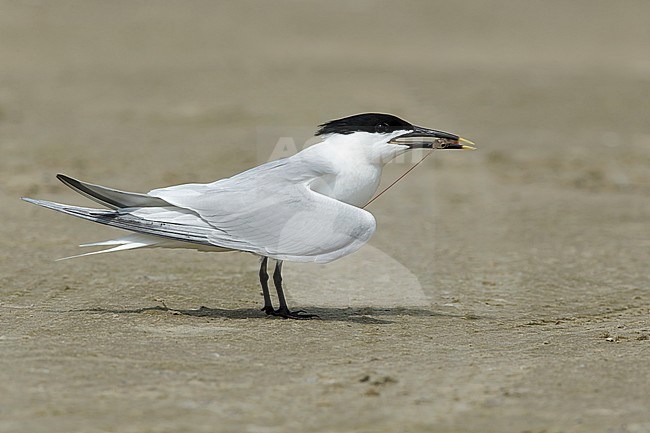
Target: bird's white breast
353,173
354,185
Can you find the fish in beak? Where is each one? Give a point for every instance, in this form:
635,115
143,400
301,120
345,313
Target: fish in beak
424,138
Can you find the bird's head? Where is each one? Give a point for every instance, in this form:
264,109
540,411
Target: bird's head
389,134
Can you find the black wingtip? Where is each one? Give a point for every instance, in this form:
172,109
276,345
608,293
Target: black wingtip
73,183
63,178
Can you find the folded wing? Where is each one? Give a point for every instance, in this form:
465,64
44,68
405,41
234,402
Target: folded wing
276,218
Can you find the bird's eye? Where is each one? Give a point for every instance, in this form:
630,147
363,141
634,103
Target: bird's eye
382,128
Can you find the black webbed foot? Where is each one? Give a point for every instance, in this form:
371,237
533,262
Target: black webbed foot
268,309
297,315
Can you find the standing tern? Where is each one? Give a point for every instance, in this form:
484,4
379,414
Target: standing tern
304,208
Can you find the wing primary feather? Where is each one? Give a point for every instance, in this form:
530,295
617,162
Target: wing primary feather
177,232
109,197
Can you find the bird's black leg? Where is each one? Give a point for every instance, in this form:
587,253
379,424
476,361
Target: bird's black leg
264,282
283,311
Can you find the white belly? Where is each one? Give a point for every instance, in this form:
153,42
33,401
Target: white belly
355,186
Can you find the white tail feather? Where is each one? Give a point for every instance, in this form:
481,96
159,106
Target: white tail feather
125,243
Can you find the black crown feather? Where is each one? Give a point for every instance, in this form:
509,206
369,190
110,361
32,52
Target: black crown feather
367,122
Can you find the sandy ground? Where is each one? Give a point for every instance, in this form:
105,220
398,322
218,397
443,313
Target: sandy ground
505,290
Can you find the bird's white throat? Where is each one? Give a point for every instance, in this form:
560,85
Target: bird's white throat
355,163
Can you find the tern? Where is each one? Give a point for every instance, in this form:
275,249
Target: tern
304,208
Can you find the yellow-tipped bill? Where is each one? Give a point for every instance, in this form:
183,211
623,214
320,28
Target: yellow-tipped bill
466,144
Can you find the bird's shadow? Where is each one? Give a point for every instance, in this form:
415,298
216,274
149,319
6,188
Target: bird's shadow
365,315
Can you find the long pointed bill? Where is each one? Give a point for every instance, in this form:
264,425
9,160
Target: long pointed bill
432,139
